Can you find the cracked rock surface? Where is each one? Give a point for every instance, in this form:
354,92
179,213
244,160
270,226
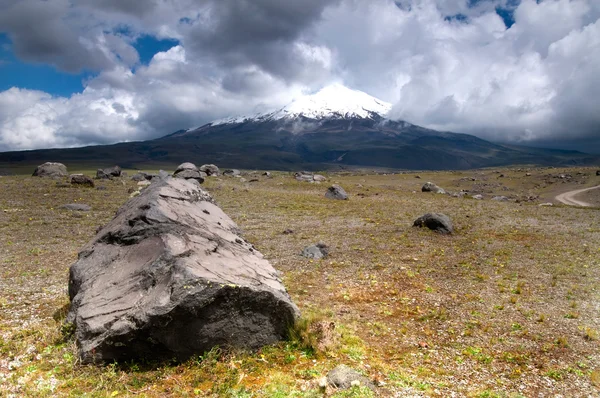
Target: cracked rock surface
170,277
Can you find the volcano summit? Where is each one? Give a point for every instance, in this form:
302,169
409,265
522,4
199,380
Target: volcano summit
335,128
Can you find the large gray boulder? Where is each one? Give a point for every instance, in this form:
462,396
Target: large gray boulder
437,222
51,169
336,192
189,171
431,187
170,277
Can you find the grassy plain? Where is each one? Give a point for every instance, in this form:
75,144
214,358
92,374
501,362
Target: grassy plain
507,306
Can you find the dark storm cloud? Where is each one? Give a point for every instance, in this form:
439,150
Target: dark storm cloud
40,33
137,8
254,32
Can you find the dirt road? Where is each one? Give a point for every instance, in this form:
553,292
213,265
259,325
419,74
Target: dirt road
568,198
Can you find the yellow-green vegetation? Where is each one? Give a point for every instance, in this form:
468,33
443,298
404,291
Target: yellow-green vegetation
507,306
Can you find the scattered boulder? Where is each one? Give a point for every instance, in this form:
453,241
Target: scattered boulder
344,377
189,171
527,174
316,251
101,175
114,171
431,187
210,169
51,169
548,204
319,178
304,176
267,174
109,173
336,192
170,277
418,176
288,231
500,198
81,179
477,197
141,176
185,166
190,175
232,172
437,222
144,183
597,172
76,207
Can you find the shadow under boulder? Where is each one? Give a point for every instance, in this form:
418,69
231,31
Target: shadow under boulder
170,277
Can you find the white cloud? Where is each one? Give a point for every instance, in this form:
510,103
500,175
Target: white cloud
536,81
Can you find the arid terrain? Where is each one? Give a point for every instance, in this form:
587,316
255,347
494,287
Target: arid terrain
507,306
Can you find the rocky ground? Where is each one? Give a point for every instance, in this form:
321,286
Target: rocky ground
506,306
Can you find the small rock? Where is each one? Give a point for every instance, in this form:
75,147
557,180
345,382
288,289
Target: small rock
546,204
316,251
288,231
114,171
477,197
437,222
231,172
101,188
597,172
267,174
344,377
527,174
76,207
319,178
418,176
186,166
81,179
336,192
189,171
101,175
144,183
210,169
304,176
500,198
139,176
431,187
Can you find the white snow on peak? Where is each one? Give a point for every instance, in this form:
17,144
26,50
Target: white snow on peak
335,101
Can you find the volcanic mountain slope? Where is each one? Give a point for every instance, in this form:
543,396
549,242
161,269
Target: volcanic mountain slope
334,128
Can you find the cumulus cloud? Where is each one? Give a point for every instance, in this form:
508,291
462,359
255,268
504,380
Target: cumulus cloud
449,65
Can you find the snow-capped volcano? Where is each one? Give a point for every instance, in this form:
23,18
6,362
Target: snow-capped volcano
332,102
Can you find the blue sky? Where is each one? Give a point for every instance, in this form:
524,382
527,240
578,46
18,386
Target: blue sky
47,78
